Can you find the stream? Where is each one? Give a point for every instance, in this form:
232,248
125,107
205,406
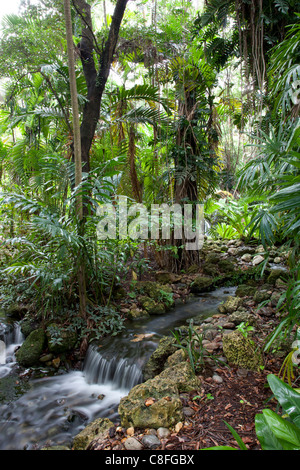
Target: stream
54,409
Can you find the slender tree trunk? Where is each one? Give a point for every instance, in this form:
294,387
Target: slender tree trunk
77,149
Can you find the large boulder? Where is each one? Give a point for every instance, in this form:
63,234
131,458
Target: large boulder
98,429
30,351
152,404
240,351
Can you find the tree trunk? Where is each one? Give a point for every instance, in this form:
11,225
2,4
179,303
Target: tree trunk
95,79
77,153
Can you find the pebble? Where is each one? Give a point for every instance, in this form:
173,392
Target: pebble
132,444
187,411
150,441
216,378
163,433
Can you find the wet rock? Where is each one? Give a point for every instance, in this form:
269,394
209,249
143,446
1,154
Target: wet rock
262,295
245,291
275,274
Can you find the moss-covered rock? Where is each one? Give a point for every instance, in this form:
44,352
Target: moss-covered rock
202,284
152,404
182,375
230,305
157,360
32,348
241,352
245,290
242,316
152,307
97,429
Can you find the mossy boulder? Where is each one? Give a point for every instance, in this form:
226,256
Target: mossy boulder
97,429
202,284
157,360
240,351
29,353
245,290
152,307
230,305
152,404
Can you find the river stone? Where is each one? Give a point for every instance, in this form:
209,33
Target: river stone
32,348
132,444
150,441
241,352
98,429
157,360
257,260
163,433
165,410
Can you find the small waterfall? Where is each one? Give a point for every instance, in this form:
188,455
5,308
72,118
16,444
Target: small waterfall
10,338
119,373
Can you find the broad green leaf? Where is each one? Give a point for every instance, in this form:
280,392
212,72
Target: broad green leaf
288,398
288,434
265,436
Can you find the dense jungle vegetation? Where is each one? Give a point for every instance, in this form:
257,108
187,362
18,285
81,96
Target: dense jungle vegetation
164,102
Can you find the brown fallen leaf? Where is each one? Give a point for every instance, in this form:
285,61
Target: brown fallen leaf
141,337
149,401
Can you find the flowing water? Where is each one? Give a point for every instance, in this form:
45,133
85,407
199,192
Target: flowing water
55,409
